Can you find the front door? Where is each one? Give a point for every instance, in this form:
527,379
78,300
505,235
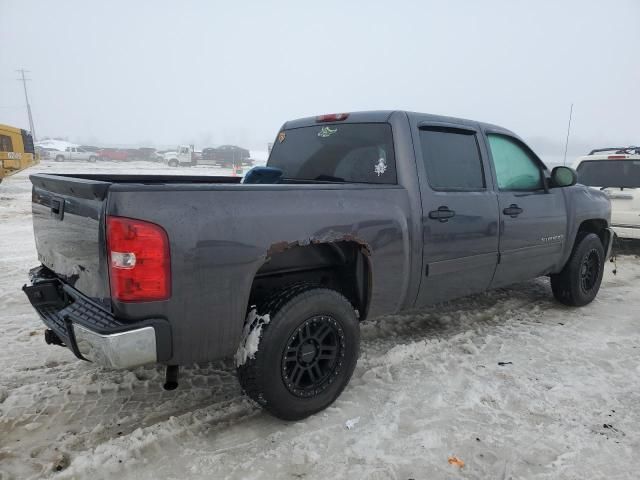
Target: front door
460,214
533,218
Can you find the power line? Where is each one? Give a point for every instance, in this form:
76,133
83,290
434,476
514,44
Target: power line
22,71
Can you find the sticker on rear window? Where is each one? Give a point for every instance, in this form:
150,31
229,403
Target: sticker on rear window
380,167
327,132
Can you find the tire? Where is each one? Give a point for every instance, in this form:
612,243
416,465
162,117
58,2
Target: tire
304,321
59,158
92,159
579,281
173,162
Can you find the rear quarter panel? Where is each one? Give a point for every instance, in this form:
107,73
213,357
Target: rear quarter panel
220,237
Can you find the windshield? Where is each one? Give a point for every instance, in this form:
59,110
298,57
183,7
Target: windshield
354,153
610,173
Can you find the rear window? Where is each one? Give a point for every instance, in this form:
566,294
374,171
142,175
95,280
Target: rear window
353,153
610,173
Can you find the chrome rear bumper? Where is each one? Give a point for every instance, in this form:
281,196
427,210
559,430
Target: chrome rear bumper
92,332
117,350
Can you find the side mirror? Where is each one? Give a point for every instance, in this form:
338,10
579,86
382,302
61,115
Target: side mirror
563,177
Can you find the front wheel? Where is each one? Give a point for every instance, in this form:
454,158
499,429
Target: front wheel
579,281
300,352
92,159
59,158
173,163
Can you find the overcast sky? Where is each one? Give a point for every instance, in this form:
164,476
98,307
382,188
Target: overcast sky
211,72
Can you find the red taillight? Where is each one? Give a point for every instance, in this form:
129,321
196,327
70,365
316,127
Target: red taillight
139,260
617,157
332,117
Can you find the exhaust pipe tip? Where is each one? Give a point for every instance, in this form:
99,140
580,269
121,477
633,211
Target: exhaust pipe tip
52,338
171,378
170,386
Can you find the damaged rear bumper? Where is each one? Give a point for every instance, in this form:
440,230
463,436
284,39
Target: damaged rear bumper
93,333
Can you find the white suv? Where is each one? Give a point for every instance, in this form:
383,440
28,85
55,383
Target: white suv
617,172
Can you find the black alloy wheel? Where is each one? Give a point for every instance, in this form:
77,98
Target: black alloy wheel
313,356
589,270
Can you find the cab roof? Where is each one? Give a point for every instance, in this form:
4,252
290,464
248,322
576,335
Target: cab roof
383,116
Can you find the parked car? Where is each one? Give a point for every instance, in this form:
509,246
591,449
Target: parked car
149,154
113,154
75,154
225,155
46,153
616,171
356,215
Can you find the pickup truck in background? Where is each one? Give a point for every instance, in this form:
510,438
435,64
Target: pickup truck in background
356,215
75,154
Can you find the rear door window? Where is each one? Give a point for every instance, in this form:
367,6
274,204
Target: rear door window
353,153
452,159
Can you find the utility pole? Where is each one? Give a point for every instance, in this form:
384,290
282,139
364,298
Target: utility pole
23,79
566,145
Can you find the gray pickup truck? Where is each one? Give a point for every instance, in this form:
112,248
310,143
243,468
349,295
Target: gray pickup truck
356,215
75,154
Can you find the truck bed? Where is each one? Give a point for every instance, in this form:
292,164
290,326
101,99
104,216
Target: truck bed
221,233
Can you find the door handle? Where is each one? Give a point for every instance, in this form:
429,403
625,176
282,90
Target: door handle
442,214
512,210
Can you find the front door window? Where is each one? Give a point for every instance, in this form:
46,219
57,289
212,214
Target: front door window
515,167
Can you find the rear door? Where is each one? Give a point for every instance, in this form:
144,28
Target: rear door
459,213
533,219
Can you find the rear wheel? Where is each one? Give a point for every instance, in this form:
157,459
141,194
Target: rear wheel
92,159
306,352
173,162
59,158
579,281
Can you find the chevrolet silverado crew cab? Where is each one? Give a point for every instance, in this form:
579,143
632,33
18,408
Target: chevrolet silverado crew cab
355,215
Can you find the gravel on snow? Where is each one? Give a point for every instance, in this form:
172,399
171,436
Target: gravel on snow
509,382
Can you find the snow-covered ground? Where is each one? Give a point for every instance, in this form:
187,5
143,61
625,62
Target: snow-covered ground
510,382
